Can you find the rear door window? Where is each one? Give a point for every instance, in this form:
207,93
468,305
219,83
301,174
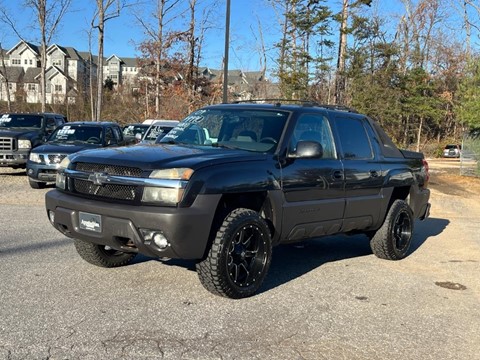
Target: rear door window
354,140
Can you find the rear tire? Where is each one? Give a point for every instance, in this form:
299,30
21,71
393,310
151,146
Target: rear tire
392,241
36,184
101,255
239,257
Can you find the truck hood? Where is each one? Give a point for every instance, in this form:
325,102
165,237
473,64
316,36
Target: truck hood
162,156
58,148
20,133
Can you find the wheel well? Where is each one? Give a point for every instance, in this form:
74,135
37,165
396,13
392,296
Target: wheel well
399,193
257,201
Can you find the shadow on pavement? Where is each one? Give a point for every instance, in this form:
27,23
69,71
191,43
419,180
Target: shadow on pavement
291,261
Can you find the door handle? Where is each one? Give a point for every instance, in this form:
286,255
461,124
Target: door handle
337,175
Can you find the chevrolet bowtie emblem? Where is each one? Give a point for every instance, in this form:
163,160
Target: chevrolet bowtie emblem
98,178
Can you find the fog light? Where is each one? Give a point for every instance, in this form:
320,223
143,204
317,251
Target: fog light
156,237
51,216
160,240
30,171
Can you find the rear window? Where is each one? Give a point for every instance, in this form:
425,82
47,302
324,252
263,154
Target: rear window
21,121
450,147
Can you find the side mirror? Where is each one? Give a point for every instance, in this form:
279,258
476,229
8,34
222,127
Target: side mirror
308,150
138,137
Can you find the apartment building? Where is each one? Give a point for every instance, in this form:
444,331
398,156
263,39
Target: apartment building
68,74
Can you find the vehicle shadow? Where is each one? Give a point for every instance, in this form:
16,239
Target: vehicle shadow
14,172
291,261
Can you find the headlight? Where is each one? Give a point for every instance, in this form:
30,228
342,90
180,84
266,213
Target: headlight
168,195
24,144
61,179
34,158
172,174
165,196
64,163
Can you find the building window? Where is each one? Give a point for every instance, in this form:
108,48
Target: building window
113,77
58,88
31,62
31,87
57,62
10,86
25,61
16,62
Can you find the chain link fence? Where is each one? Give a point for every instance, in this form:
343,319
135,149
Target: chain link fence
470,154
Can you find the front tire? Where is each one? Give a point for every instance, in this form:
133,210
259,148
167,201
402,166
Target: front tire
101,255
392,241
239,257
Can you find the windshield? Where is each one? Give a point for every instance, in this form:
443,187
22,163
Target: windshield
157,132
77,134
21,121
253,130
131,130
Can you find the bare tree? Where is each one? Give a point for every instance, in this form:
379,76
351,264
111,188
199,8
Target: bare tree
105,11
158,41
49,14
4,74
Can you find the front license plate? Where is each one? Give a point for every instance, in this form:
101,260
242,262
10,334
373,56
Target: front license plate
90,222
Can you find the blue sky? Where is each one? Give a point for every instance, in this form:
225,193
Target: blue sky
124,33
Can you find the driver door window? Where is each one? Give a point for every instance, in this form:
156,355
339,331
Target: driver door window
314,127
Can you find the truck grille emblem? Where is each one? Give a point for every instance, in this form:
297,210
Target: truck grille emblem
98,178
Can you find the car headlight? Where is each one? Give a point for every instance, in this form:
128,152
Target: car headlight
33,157
61,179
64,163
170,194
24,144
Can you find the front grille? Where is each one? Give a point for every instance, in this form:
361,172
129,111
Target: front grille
110,191
55,159
109,169
7,143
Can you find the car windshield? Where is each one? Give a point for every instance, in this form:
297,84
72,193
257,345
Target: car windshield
131,130
449,147
247,129
21,121
157,132
77,134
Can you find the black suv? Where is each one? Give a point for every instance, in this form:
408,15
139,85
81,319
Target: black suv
19,133
230,181
67,139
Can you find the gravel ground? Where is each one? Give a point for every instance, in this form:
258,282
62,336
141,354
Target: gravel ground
326,299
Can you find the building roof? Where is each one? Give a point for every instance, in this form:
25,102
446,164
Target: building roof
31,74
14,74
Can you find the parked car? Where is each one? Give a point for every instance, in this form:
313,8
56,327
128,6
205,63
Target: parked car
157,130
134,132
21,132
70,138
452,151
232,180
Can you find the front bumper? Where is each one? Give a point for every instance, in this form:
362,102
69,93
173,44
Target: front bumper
186,229
42,172
14,159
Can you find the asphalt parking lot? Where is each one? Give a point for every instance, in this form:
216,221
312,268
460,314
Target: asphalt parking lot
324,299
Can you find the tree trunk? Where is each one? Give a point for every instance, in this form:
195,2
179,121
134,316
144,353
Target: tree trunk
101,29
342,49
42,10
7,89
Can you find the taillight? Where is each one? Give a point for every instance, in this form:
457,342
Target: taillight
425,170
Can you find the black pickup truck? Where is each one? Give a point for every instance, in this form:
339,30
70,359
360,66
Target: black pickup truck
21,132
67,139
230,181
